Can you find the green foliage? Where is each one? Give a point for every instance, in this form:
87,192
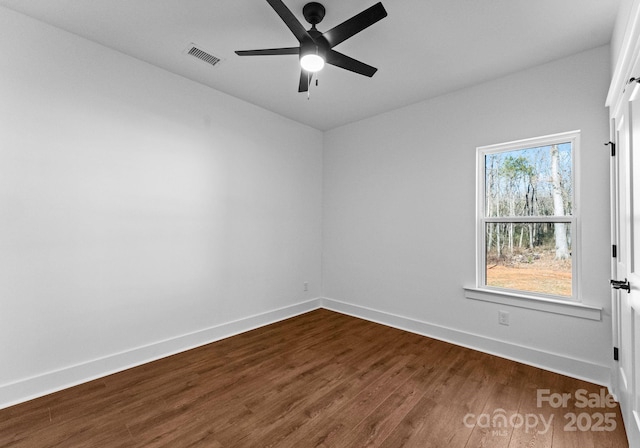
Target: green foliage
516,167
518,182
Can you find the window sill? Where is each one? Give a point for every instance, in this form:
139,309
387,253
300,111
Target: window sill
573,309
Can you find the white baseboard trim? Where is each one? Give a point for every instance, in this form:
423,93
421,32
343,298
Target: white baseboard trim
44,384
576,368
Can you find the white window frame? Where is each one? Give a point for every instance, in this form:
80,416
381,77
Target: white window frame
574,219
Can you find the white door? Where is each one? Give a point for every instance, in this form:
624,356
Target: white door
625,181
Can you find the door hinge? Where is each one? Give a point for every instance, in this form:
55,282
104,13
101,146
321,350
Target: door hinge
615,354
613,148
614,251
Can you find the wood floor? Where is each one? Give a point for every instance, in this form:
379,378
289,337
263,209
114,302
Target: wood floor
320,380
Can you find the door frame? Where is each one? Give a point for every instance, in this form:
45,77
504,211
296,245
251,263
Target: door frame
627,68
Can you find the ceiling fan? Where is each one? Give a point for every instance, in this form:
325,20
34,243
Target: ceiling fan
316,48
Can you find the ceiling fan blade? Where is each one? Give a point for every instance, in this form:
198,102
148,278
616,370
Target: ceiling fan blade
290,20
269,51
344,61
355,24
305,81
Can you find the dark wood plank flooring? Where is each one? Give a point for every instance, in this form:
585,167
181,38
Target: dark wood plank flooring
321,379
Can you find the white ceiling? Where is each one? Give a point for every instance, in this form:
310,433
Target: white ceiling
422,49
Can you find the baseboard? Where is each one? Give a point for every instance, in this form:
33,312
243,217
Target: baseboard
40,385
575,368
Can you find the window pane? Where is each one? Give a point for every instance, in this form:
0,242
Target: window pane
529,182
533,257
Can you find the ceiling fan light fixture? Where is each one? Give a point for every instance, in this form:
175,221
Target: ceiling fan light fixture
312,62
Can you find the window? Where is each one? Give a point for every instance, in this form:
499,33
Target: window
527,220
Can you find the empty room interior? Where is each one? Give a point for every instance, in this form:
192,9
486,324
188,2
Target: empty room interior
427,243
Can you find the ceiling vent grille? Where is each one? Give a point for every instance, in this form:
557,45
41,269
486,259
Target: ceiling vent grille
196,52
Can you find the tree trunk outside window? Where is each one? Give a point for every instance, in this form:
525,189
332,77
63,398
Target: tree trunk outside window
562,247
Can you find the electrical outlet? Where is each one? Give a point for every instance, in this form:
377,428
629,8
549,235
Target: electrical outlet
503,318
306,286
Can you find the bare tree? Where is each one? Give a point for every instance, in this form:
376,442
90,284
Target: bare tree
562,247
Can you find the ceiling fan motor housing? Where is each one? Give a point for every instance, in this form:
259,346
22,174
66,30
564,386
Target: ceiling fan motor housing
313,13
316,45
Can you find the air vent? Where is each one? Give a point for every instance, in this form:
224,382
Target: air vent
196,52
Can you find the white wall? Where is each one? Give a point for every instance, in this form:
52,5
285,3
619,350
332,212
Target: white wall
399,212
137,207
621,26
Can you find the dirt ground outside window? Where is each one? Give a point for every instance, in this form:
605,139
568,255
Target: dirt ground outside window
536,272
